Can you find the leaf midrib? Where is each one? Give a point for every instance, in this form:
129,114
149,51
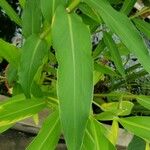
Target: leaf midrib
134,124
54,125
32,59
74,71
21,110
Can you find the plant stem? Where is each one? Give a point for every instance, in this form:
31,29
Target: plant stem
45,33
73,5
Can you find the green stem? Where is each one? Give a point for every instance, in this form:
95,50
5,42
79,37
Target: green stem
73,5
45,33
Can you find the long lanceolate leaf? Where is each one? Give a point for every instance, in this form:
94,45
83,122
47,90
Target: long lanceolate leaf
48,8
128,6
143,26
34,52
31,18
123,27
71,39
10,12
10,53
18,108
140,126
114,53
94,138
49,134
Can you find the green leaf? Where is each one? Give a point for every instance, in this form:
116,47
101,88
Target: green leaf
100,47
94,137
34,52
75,74
128,6
49,134
114,132
18,108
97,76
89,12
4,128
31,18
144,101
93,25
10,53
119,108
140,126
137,143
105,116
10,12
11,74
48,8
104,69
22,3
124,28
115,55
143,26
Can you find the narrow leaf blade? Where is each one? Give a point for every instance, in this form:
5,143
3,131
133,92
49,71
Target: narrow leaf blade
31,18
114,53
128,6
34,52
6,51
144,101
140,126
49,134
10,12
123,27
143,26
95,135
48,8
18,108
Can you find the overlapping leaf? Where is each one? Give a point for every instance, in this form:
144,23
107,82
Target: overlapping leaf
94,137
10,53
34,52
140,126
144,101
128,6
124,28
49,134
114,53
48,8
71,39
10,12
18,108
31,18
143,26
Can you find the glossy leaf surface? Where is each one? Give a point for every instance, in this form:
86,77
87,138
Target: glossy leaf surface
71,39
